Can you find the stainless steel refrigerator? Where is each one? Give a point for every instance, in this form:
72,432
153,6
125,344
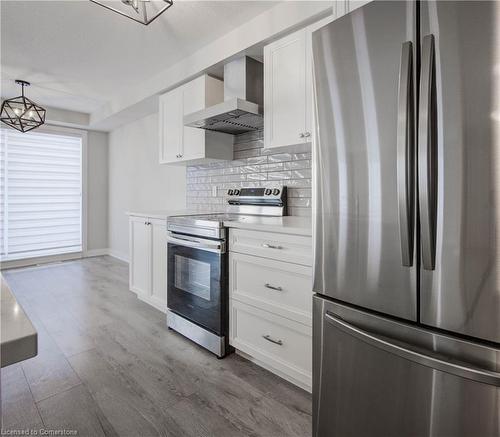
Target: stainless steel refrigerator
406,220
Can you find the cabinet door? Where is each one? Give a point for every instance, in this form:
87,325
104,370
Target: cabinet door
158,263
338,10
285,91
171,125
193,146
140,248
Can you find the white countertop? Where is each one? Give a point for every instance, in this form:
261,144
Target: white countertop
19,339
285,225
163,214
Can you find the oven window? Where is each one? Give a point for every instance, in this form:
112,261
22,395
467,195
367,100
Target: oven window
192,276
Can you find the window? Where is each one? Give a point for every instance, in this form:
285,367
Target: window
40,193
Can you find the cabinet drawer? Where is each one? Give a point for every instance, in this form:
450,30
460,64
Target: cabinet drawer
282,247
282,288
279,343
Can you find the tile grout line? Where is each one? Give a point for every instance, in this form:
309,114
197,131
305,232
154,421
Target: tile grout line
33,397
61,392
82,383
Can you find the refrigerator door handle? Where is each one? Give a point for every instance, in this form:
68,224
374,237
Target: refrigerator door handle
461,370
405,154
427,168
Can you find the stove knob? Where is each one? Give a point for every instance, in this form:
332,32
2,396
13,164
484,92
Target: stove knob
268,191
236,192
276,191
229,192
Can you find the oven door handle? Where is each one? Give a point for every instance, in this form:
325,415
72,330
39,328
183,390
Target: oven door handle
211,246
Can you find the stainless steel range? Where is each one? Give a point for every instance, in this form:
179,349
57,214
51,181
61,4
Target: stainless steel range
198,265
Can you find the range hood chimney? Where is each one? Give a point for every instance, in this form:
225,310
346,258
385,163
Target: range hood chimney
241,110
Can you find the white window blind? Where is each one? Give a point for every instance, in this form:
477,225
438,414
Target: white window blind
40,194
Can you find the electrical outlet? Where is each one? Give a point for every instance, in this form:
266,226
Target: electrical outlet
214,191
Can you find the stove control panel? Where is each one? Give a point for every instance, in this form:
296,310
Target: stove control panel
257,196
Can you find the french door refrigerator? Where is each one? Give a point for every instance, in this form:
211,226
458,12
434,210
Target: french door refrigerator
406,319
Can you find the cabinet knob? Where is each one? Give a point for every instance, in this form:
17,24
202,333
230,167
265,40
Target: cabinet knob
307,134
301,135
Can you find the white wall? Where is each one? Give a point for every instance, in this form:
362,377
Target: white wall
97,190
137,182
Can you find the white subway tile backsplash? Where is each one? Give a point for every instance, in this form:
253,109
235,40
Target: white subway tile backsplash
302,183
257,177
278,175
250,169
300,156
299,192
294,165
272,167
304,202
280,157
253,166
257,160
304,173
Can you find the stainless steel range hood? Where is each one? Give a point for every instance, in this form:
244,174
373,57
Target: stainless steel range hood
241,110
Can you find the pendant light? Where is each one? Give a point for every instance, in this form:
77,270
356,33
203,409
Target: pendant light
22,113
142,11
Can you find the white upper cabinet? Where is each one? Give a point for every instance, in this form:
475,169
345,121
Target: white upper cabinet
288,82
171,126
286,91
181,144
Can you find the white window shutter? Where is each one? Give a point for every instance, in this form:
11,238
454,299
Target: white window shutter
40,191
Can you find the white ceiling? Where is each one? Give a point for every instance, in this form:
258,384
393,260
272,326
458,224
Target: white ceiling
78,55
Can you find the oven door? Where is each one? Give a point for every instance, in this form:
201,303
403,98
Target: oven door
197,281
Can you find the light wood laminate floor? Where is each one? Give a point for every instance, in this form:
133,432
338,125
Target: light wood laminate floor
107,365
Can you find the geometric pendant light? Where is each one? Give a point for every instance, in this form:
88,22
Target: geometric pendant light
22,113
142,11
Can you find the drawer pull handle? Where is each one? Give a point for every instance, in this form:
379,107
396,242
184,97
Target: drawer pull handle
271,246
272,340
272,287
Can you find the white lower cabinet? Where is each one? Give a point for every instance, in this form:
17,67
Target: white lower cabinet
139,255
148,260
277,343
280,287
270,318
295,249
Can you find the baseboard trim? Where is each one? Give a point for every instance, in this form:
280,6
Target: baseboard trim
44,260
39,261
118,255
107,251
96,252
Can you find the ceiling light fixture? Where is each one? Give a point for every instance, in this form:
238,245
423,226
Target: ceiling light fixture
142,11
22,113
